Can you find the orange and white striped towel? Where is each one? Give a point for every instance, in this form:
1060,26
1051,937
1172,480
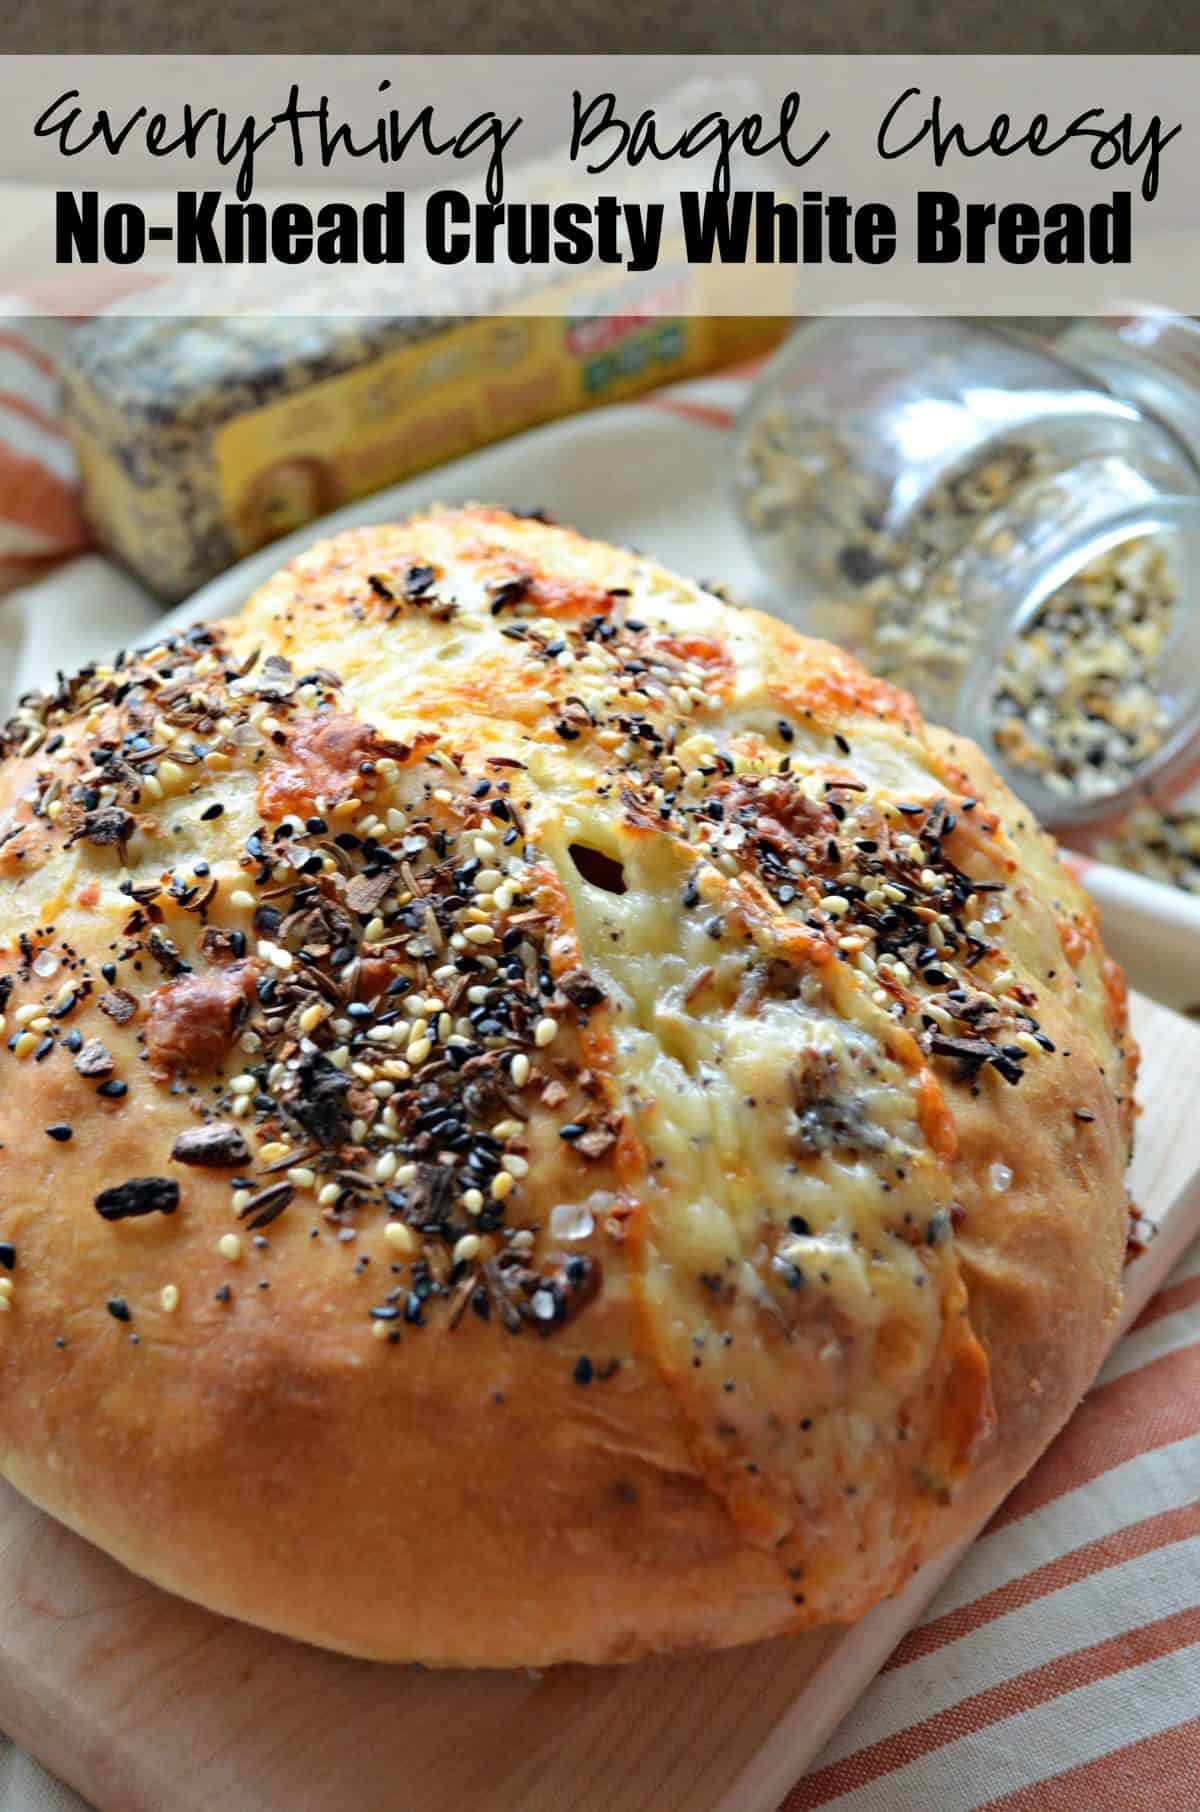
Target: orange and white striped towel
40,521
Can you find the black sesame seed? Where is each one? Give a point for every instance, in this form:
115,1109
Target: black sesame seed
8,1255
113,1090
583,1373
60,1132
118,1308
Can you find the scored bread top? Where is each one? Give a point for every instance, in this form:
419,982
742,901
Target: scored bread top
516,1070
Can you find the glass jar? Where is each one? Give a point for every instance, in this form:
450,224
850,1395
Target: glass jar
1009,530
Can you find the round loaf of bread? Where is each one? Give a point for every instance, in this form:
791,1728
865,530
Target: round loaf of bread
544,1116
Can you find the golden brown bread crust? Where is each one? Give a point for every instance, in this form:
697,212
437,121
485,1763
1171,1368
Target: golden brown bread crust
700,1367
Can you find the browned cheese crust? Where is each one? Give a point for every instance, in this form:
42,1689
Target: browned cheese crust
543,1116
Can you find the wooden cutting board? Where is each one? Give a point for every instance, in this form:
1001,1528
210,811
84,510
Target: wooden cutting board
147,1704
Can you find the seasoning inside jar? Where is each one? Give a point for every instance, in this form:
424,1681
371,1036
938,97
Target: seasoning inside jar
987,526
1078,697
1162,845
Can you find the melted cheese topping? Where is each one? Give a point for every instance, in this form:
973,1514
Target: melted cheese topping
797,1272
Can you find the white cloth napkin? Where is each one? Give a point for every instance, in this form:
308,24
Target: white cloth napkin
79,612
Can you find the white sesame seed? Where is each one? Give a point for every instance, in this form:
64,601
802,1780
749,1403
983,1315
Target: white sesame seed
230,1246
311,1017
479,934
520,1069
301,1176
385,1167
328,1195
275,954
545,1032
243,1085
469,1246
502,1186
169,1298
418,1051
401,1239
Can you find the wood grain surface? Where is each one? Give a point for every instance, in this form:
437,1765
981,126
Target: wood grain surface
147,1704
